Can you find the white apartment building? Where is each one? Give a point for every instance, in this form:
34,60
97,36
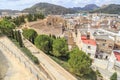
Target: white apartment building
89,46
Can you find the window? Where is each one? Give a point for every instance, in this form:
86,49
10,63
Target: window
89,47
101,51
103,44
110,47
116,47
106,57
96,56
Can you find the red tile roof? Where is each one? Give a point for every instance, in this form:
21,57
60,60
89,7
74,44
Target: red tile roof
83,37
117,55
88,41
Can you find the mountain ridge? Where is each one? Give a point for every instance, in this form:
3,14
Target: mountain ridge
110,9
87,7
48,8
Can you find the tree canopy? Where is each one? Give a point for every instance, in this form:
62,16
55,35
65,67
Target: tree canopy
114,76
60,47
44,43
30,17
30,34
6,24
34,17
79,62
6,27
19,20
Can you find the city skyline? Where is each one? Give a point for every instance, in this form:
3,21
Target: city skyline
22,4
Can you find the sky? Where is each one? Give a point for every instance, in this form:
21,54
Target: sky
22,4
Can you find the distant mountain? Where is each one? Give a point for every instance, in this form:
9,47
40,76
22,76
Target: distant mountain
77,9
48,8
88,7
111,9
8,11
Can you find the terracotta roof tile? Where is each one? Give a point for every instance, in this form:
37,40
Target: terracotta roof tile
117,55
88,41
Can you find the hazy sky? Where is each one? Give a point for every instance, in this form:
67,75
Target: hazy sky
21,4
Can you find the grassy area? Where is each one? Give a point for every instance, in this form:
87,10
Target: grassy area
65,65
26,52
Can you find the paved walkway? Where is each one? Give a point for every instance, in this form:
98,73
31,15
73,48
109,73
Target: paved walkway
18,71
51,66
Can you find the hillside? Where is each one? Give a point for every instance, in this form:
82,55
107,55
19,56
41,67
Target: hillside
48,8
111,9
88,7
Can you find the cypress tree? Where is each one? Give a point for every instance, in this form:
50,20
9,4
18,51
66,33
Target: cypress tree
12,34
16,35
20,39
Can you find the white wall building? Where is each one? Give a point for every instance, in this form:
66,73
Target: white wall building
114,61
89,46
